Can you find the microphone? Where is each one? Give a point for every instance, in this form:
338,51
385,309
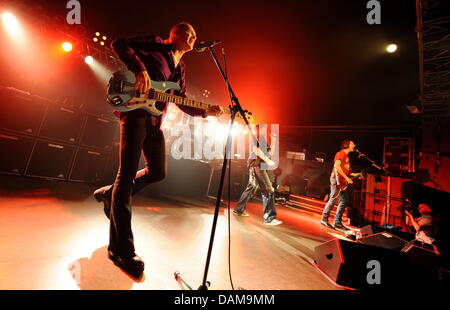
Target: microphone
360,154
203,45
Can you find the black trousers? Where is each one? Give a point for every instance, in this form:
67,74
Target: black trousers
139,133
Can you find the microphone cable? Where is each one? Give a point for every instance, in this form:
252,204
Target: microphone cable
229,224
229,182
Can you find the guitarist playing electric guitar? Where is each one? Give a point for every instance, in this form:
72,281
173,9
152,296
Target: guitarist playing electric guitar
148,58
340,179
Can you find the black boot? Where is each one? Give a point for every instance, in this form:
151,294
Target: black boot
133,265
104,194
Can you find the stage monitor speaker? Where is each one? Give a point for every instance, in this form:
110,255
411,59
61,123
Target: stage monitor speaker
20,112
89,165
421,255
99,132
356,265
424,261
364,232
50,160
384,240
62,123
15,153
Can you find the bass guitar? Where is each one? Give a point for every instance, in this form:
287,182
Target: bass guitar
124,98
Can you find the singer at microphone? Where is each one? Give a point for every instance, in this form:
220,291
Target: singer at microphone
205,44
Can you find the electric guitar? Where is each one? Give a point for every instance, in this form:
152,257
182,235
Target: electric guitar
124,98
342,182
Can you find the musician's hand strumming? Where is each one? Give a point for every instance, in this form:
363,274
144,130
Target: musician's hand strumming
143,82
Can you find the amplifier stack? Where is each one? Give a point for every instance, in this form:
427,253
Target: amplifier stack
41,138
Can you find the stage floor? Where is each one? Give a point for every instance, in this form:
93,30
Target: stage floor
51,242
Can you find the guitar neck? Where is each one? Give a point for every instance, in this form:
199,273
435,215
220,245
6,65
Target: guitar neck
162,96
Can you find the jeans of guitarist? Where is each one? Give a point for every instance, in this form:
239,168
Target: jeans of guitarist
335,195
259,177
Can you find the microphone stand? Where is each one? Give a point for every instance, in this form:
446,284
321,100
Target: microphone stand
235,107
362,155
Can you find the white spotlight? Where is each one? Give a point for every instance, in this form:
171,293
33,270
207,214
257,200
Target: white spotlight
13,27
391,48
89,60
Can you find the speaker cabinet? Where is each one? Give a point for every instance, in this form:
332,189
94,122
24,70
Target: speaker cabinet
99,132
239,179
308,178
379,210
350,264
50,160
364,231
384,240
62,123
20,112
89,165
15,153
384,199
399,154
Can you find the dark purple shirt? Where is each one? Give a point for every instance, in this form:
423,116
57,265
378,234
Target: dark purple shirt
150,54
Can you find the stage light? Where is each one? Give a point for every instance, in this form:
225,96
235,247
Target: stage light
10,21
102,73
391,48
89,60
67,46
102,43
104,38
13,27
97,34
95,39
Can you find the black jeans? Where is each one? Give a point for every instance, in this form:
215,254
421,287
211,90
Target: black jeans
139,132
